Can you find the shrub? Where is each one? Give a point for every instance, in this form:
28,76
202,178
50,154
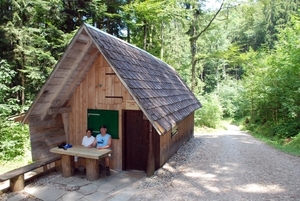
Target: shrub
14,140
295,142
210,114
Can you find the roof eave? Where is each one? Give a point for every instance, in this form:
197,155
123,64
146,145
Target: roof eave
42,90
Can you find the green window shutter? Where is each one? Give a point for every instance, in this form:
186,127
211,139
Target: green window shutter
109,118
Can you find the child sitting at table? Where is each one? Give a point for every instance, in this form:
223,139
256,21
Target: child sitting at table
87,141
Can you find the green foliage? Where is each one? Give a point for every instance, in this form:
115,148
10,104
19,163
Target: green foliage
272,86
210,114
229,92
14,140
285,129
8,105
287,145
295,142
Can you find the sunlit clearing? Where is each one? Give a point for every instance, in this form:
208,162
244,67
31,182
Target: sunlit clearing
212,188
209,179
260,188
200,175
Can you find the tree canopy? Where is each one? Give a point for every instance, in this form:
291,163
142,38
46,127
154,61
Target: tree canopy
240,56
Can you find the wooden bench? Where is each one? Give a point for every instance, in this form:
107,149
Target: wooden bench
16,176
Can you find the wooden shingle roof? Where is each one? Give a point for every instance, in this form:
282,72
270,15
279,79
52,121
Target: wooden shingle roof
156,87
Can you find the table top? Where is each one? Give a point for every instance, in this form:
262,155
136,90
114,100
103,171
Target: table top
82,151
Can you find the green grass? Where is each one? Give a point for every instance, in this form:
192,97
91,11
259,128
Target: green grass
292,147
6,166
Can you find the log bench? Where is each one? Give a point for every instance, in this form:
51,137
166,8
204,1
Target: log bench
16,176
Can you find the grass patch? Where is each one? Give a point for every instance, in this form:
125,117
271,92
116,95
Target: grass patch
18,161
292,147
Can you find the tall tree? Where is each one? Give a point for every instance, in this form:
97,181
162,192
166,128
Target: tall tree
197,29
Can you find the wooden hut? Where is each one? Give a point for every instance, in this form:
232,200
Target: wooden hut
100,79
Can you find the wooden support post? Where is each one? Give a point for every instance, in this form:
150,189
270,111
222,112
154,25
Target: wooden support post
92,169
67,166
17,183
58,166
150,161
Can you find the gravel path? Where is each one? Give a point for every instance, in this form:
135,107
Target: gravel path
224,165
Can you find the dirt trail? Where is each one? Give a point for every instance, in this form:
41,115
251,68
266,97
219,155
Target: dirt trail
225,165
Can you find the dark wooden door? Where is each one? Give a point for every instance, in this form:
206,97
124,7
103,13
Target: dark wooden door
135,144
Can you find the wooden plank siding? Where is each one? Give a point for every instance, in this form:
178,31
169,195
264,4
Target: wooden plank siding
45,135
101,82
170,145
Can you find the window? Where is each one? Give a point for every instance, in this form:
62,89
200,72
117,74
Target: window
174,131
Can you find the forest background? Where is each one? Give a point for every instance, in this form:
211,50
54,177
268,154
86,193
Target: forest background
239,57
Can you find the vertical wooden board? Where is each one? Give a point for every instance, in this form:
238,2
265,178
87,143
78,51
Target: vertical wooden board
91,85
77,113
118,89
81,114
104,62
71,119
113,100
102,83
65,117
161,150
156,148
85,100
120,140
126,96
97,87
101,60
108,85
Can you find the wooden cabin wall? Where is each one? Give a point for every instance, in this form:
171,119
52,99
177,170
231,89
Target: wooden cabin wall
101,89
170,145
45,134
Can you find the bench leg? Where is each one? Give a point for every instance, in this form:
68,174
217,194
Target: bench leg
17,183
92,169
67,167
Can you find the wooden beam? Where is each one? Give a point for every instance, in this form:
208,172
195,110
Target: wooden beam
114,97
81,75
59,110
52,75
69,74
65,118
150,161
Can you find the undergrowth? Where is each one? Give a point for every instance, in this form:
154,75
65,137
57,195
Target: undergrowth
281,137
15,149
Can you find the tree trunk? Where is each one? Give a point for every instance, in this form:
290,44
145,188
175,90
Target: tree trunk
23,81
145,36
162,41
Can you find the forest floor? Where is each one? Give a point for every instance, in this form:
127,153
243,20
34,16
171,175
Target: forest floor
226,164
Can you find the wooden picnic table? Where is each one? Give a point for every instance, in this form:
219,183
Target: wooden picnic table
92,156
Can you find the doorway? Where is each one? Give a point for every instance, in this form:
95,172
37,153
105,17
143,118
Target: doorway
135,140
